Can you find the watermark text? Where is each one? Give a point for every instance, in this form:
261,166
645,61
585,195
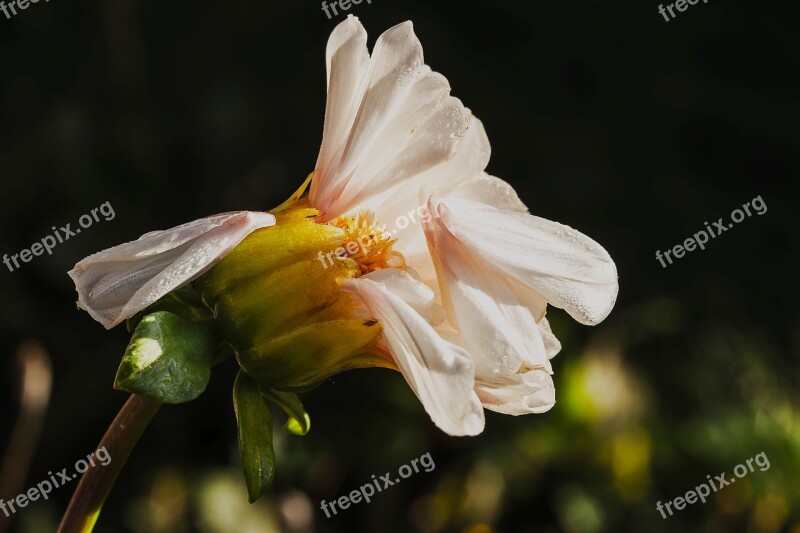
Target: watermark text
703,490
48,242
701,238
43,489
367,491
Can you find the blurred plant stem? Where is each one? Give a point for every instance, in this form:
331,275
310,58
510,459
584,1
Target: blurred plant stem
96,483
35,380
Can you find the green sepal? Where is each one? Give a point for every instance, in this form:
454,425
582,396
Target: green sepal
298,423
168,358
255,436
306,356
185,302
258,308
295,237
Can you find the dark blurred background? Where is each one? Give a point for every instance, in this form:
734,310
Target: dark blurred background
602,115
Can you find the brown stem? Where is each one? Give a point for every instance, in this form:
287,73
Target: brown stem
96,483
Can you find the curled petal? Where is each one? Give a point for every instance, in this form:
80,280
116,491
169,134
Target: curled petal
116,283
519,394
568,268
440,373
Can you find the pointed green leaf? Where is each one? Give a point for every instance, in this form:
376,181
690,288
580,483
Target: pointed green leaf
168,358
255,436
299,422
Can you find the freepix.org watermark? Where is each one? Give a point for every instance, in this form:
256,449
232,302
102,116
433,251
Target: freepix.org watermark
680,5
16,4
703,490
365,492
43,489
699,239
344,5
48,242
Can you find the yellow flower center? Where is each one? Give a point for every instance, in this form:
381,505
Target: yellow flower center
368,244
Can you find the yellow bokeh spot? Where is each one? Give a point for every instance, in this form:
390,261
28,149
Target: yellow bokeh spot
631,462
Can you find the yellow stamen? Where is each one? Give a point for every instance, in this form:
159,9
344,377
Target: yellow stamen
367,244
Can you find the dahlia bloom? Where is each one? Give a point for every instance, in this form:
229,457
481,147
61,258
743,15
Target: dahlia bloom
455,298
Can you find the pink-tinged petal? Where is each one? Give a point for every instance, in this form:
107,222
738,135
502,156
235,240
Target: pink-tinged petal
520,394
115,284
406,123
498,329
441,374
568,268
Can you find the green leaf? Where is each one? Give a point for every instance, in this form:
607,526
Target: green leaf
255,436
299,422
168,358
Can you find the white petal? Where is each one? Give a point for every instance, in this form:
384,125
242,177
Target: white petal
520,394
347,62
424,144
551,343
569,269
406,123
538,306
407,203
116,283
498,329
404,209
441,374
412,291
489,190
532,299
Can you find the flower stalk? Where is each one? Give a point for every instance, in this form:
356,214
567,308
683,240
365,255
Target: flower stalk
95,485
